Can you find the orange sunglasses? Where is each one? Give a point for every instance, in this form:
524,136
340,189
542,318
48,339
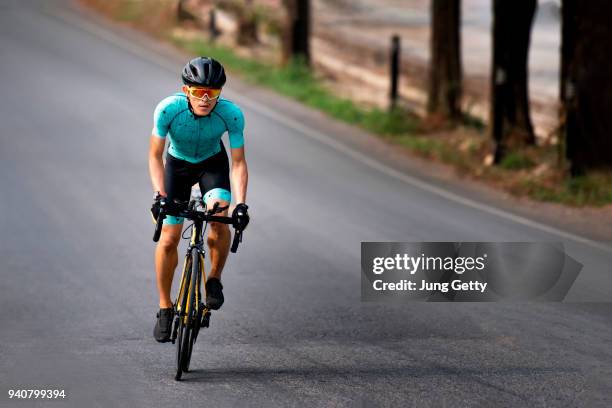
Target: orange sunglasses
211,93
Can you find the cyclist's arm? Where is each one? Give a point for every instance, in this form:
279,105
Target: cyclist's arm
156,164
239,174
164,111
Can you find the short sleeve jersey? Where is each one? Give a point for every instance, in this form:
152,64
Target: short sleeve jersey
196,138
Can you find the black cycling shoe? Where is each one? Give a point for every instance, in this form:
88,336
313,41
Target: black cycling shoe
214,293
163,327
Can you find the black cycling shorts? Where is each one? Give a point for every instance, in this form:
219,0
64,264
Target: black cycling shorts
211,174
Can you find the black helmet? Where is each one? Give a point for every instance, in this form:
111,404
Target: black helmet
204,71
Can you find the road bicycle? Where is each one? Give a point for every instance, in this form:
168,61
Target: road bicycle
190,312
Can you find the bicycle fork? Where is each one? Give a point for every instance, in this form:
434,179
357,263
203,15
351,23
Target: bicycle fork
204,317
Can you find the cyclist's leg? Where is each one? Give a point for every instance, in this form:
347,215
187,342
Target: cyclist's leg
219,235
178,182
215,187
166,259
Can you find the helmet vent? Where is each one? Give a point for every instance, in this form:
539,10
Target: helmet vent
207,72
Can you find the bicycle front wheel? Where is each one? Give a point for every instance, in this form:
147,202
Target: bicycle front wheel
194,294
185,312
182,348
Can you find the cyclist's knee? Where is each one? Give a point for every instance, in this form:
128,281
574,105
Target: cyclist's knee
168,244
170,237
218,228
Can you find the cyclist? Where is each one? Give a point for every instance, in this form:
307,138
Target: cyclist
194,122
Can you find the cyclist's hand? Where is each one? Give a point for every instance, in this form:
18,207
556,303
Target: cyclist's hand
241,216
156,207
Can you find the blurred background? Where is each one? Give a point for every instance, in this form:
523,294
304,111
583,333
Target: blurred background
435,85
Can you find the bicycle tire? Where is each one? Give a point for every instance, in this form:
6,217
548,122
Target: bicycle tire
185,347
194,307
184,324
183,338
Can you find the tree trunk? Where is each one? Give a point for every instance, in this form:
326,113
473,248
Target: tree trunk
586,90
297,30
180,10
247,24
181,13
444,93
213,31
509,121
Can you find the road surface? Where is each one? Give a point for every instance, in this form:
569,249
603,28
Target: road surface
77,287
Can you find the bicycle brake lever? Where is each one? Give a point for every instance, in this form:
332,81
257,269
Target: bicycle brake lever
236,241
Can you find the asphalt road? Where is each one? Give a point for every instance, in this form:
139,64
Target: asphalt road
77,288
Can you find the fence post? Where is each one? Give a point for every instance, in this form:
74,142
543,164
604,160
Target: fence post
395,67
179,10
212,24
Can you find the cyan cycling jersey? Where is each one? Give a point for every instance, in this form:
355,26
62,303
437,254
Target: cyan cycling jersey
196,138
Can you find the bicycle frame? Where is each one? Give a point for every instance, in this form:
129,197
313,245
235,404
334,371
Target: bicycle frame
196,241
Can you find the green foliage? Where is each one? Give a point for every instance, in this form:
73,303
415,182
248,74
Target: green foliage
425,146
473,122
516,161
297,81
593,189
